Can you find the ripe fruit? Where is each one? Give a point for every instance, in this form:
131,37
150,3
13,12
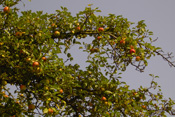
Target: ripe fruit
61,90
78,28
99,37
22,87
122,41
44,58
18,34
6,9
137,58
57,33
35,64
50,111
143,106
31,106
53,25
132,51
100,29
6,96
103,98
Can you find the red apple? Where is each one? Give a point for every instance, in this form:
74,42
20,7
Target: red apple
100,29
35,64
132,51
78,28
6,9
122,41
22,87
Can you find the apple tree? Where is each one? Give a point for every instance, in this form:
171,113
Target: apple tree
38,76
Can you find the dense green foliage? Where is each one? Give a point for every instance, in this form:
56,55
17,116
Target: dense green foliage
31,46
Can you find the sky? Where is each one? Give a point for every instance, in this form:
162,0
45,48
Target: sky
159,17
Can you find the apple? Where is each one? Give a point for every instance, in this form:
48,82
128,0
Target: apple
31,106
6,96
22,87
78,28
143,106
6,9
61,90
18,34
50,111
57,33
35,64
100,29
44,58
103,98
99,37
73,31
132,51
137,58
122,41
53,25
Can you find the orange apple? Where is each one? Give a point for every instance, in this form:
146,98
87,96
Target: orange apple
100,29
6,9
137,58
103,98
57,33
22,87
50,111
99,37
35,64
44,58
61,90
78,28
143,106
31,106
53,25
6,96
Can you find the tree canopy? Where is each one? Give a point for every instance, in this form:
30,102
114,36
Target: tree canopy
32,46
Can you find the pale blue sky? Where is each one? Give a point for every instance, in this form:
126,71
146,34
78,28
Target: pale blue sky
159,17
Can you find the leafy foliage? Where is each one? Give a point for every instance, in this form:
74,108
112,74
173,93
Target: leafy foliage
47,84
